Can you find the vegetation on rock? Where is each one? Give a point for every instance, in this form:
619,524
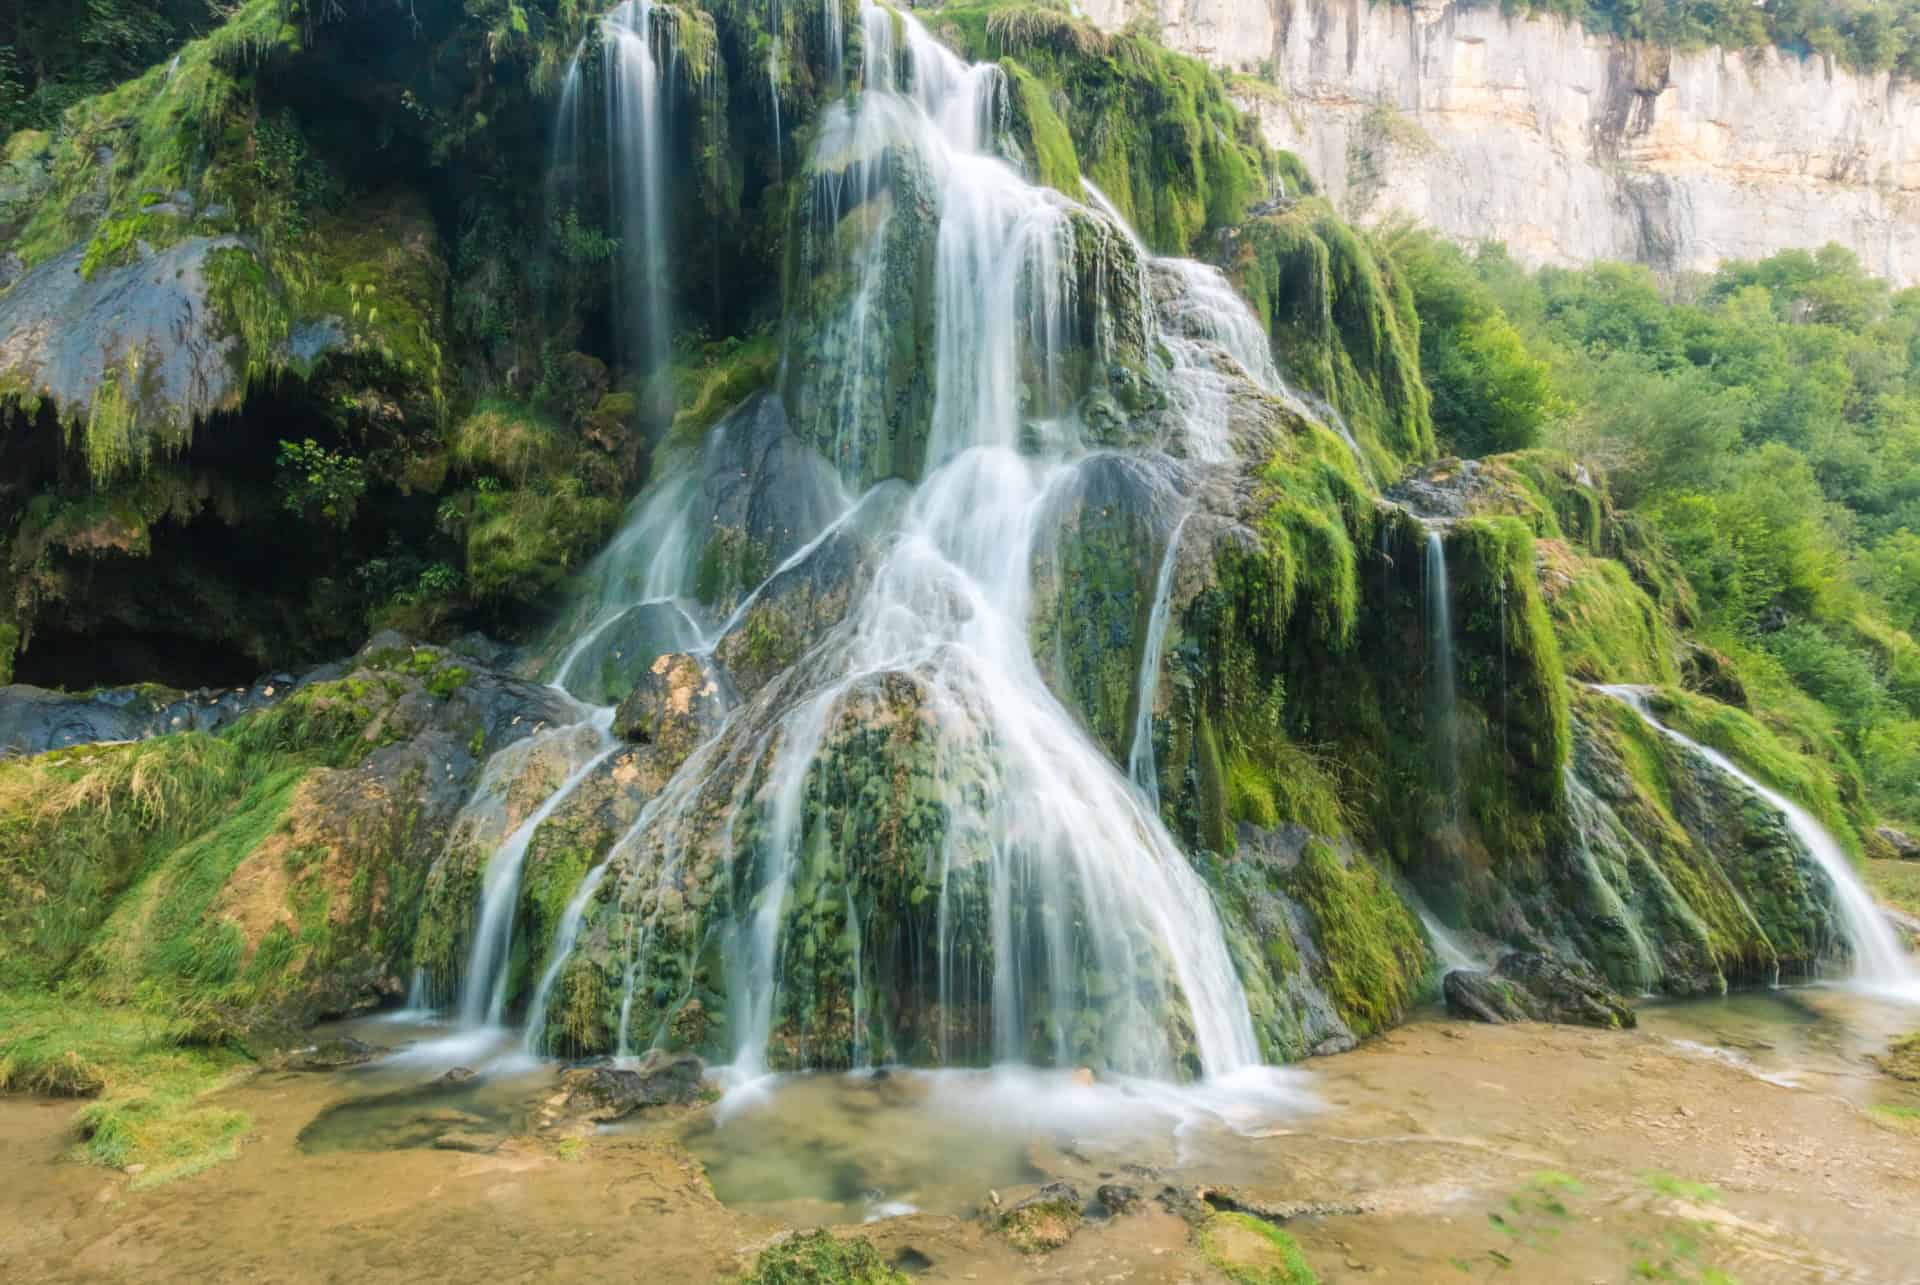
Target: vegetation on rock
821,1258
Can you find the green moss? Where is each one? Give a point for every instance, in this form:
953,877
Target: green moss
821,1258
1251,1251
25,145
9,644
723,376
521,545
731,562
1048,144
1902,1058
1155,130
1343,325
1037,1226
162,934
1509,664
1299,583
154,136
507,440
1375,957
1608,629
1760,750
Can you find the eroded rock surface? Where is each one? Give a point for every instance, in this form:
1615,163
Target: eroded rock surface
1568,145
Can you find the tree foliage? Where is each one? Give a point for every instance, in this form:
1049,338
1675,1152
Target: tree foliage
1867,35
1763,422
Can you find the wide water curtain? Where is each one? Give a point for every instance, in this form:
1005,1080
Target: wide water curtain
901,845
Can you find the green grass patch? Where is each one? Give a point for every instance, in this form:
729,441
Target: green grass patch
1902,1119
1250,1251
821,1258
1896,882
146,1074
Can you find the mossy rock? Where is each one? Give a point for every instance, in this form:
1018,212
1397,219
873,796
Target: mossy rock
1251,1251
1902,1058
1342,323
821,1258
1044,1221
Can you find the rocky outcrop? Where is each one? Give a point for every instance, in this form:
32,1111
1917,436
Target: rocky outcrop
600,1094
147,333
1534,988
674,707
1567,145
34,720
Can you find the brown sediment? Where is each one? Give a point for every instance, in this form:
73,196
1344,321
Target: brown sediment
1588,1144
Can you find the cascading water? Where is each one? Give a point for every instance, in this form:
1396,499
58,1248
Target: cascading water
1448,953
1089,904
638,57
483,993
1879,962
1441,697
1207,317
1140,765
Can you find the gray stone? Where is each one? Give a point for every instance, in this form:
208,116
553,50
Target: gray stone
1532,987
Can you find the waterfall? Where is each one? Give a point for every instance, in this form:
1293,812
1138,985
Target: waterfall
1447,950
1140,765
1445,708
1209,315
1879,962
638,54
483,988
1048,843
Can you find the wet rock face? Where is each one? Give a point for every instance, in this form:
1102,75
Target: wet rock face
674,706
1094,573
1904,845
149,327
617,658
34,720
1450,489
860,378
765,493
797,606
1526,987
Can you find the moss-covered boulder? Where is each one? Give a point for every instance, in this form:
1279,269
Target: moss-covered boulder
674,707
266,874
821,1258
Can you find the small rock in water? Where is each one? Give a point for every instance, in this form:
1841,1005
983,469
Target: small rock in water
600,1094
458,1075
1117,1198
1043,1221
1082,1076
332,1055
134,1171
468,1141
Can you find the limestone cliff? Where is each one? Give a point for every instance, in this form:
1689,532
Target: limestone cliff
1569,146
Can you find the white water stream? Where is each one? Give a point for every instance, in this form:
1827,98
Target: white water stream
1880,964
